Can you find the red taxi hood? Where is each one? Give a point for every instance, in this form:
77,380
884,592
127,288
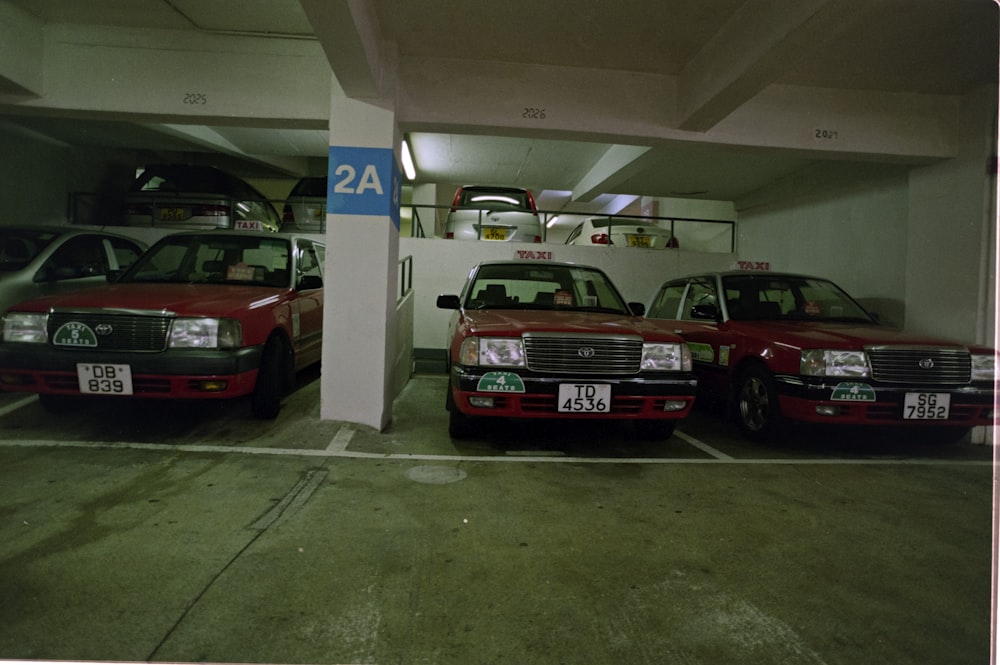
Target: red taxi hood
807,334
514,322
181,299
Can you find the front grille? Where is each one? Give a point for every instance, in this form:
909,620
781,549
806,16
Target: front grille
920,365
117,332
582,353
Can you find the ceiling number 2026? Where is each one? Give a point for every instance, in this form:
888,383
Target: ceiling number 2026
533,113
826,134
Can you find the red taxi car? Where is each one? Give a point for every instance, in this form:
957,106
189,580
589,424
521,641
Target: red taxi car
785,347
215,314
556,340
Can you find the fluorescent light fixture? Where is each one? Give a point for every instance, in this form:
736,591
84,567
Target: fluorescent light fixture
553,220
408,169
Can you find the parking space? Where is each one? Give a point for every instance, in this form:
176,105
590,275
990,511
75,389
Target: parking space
186,532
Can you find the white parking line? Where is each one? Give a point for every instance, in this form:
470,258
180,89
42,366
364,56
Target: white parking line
297,452
14,406
702,446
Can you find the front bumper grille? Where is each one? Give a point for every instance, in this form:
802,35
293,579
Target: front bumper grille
561,353
920,365
117,332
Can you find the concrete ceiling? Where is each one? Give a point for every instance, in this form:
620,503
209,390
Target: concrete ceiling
926,47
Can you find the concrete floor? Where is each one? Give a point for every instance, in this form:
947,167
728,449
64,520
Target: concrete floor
184,532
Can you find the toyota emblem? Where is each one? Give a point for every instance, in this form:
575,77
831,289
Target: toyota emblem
585,352
926,363
103,329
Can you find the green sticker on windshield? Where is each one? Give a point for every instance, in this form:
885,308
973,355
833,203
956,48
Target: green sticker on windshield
849,391
500,382
74,333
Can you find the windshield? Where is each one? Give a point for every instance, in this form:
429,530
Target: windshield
19,246
789,297
534,286
216,259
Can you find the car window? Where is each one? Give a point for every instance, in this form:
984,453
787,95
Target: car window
667,301
310,187
701,291
124,252
215,258
80,256
494,199
526,286
310,261
753,297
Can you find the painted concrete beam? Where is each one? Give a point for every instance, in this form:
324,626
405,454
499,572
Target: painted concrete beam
615,166
349,33
756,45
21,39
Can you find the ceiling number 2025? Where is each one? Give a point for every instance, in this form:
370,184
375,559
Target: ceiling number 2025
532,113
826,134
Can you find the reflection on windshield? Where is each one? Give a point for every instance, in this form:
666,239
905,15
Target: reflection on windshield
525,286
214,259
793,298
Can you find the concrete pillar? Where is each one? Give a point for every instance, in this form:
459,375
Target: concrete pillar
362,239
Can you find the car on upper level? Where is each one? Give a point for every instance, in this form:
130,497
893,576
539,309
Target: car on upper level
201,315
504,214
38,260
622,232
557,340
780,348
193,196
304,210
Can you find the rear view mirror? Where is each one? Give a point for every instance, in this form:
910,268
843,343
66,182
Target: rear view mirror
448,302
637,308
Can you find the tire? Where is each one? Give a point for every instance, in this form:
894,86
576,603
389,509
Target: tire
654,430
460,426
757,405
272,380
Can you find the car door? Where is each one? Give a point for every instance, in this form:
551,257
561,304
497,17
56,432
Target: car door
307,306
693,306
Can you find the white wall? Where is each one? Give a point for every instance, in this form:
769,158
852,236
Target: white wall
915,244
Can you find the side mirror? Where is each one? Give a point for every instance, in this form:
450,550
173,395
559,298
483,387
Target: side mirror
448,302
114,275
309,282
705,312
637,308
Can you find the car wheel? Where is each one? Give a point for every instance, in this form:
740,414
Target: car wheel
460,426
265,402
757,404
58,403
654,430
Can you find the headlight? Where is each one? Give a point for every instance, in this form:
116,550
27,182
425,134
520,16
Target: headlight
983,367
830,362
25,327
205,334
492,351
666,357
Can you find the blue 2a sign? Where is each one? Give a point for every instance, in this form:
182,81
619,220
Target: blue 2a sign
363,181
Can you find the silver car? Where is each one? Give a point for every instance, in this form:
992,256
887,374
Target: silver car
622,232
43,260
506,214
305,207
185,196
